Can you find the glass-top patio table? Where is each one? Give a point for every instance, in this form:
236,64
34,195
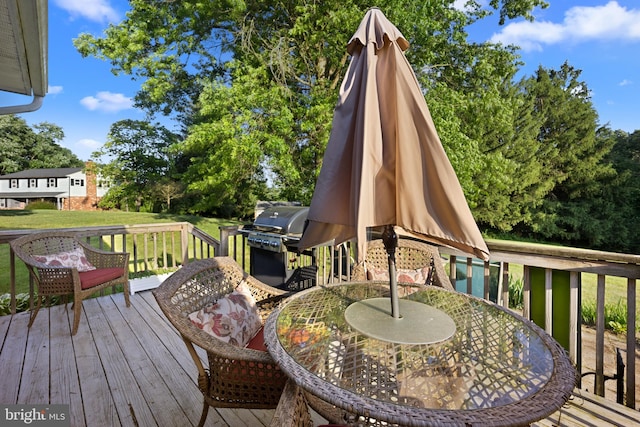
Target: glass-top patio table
494,368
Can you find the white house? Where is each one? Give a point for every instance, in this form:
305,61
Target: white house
68,188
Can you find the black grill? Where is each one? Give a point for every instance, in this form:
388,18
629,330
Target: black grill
273,254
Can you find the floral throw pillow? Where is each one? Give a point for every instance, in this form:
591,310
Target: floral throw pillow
233,319
403,275
72,259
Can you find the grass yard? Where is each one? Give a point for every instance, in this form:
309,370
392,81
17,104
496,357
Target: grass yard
15,220
39,219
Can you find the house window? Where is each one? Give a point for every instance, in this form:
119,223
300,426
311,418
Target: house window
33,183
13,183
52,182
77,182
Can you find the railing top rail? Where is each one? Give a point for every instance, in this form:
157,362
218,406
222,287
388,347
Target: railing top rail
560,251
7,235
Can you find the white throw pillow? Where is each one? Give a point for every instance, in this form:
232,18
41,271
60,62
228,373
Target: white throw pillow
233,319
419,275
72,259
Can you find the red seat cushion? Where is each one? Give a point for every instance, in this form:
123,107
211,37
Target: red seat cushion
257,342
93,278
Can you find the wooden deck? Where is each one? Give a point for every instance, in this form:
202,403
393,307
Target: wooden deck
129,367
124,367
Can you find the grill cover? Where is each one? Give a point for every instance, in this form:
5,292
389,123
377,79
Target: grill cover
285,220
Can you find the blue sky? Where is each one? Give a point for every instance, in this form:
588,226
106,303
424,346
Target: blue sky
599,37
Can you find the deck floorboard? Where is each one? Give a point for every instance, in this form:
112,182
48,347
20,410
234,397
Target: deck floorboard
124,367
130,367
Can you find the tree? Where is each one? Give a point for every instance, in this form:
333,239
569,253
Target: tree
572,151
489,133
293,58
622,195
25,148
138,157
167,190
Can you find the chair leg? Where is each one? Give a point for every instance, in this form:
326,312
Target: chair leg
205,412
77,312
34,313
126,294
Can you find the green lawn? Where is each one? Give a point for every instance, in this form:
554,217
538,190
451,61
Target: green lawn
14,220
37,219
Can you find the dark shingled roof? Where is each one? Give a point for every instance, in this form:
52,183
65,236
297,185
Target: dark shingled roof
42,173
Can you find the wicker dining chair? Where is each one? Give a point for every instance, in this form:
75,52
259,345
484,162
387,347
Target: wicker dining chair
410,255
237,377
42,253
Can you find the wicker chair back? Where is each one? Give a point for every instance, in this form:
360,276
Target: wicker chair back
235,377
410,255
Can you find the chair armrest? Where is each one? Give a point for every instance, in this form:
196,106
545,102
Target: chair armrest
105,259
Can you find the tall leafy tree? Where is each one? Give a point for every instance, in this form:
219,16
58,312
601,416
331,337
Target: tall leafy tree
622,194
24,147
573,157
136,157
293,58
227,143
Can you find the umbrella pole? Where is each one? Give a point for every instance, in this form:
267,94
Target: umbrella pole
390,240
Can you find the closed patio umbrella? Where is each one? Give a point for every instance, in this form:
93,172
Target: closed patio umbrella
384,166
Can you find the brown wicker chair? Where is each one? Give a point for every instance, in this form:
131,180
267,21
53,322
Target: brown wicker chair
111,269
236,377
410,255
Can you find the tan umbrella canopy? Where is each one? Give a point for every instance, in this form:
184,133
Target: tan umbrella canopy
384,163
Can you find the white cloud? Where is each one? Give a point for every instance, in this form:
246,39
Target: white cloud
625,82
89,143
530,35
53,90
581,23
460,5
107,102
94,10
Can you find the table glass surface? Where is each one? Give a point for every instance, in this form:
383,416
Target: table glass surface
493,359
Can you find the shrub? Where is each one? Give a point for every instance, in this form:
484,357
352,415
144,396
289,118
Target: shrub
22,303
615,316
41,205
516,288
589,313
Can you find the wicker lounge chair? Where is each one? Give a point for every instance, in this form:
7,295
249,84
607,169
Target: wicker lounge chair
53,279
410,255
237,377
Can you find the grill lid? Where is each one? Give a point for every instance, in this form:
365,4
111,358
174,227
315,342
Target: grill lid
286,220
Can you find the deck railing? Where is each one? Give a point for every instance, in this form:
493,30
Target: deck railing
153,248
550,269
552,278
